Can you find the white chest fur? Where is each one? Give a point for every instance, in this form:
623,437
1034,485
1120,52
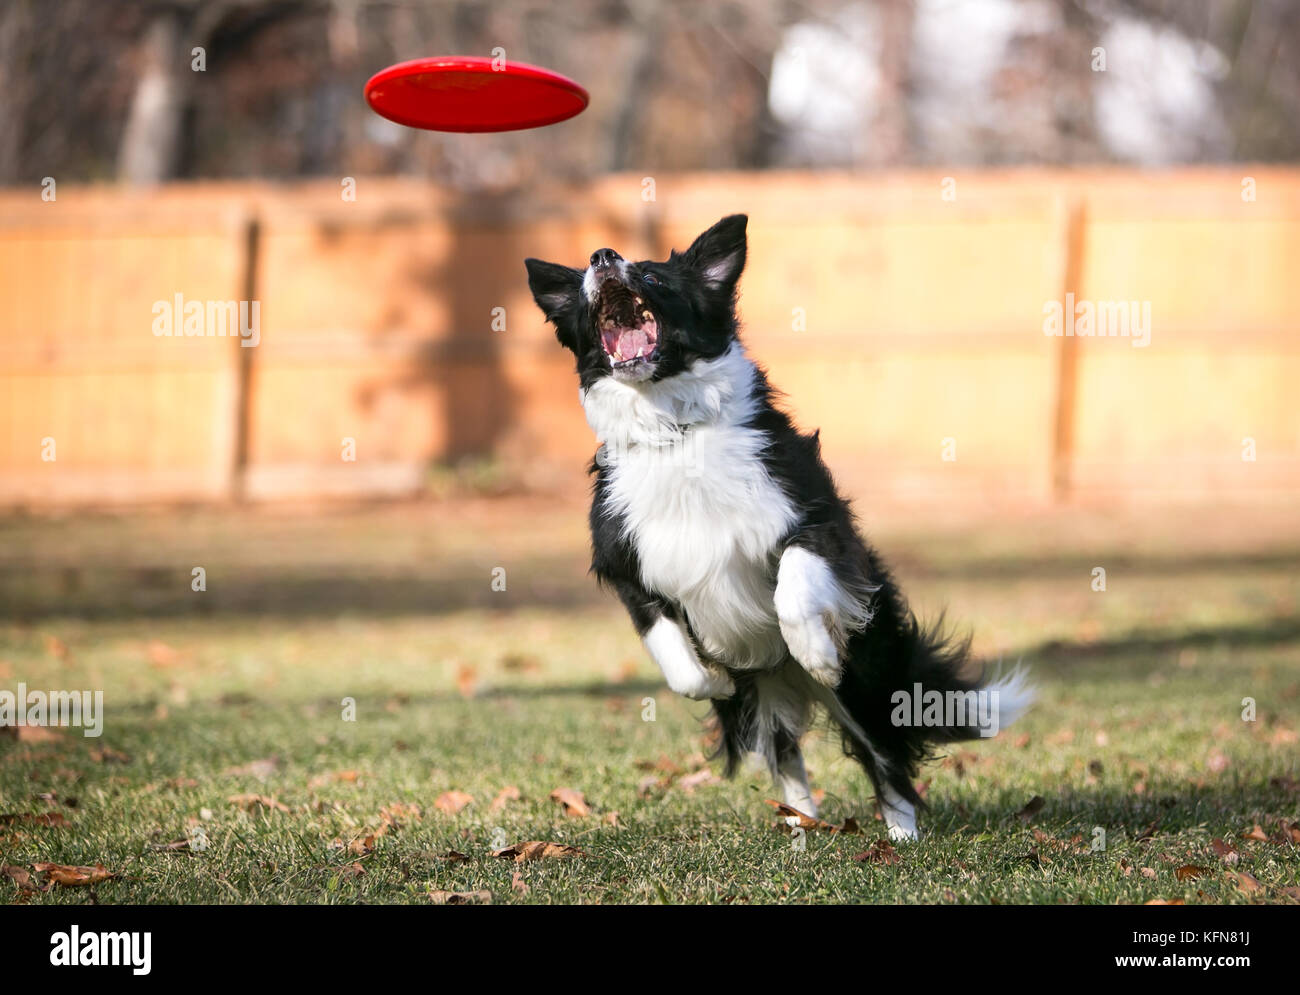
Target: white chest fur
705,517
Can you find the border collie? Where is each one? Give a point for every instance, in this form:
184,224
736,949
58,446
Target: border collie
719,527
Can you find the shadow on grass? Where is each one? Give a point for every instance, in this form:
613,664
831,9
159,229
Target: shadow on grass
31,591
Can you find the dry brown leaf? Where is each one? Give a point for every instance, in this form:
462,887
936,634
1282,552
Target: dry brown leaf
1225,851
397,814
260,769
881,852
1255,833
1031,809
1246,882
504,797
1190,872
161,655
793,818
517,884
33,819
33,734
460,897
250,802
452,802
538,850
1161,901
466,681
699,779
343,776
573,802
20,877
70,876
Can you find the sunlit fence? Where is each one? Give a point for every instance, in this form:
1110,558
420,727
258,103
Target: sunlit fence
906,315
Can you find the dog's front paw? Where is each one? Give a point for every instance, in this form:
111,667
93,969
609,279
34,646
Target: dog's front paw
810,643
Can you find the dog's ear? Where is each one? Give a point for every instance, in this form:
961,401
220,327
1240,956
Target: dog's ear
719,253
555,288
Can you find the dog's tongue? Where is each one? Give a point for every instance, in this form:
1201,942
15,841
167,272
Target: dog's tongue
627,343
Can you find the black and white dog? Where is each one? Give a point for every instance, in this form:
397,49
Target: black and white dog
719,526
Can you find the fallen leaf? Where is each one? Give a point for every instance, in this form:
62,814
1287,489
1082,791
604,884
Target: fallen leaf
1147,872
1225,851
161,655
452,802
1031,809
398,813
344,776
460,897
538,850
881,852
74,876
466,681
108,755
1246,882
504,797
575,805
517,884
455,857
20,877
32,734
1161,901
794,818
260,769
699,779
250,802
1190,872
33,819
1255,833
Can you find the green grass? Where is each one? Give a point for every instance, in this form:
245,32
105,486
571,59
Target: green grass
459,687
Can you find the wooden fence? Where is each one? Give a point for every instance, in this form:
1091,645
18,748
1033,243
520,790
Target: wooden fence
901,313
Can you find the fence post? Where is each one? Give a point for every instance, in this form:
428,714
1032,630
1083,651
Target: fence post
244,365
1074,220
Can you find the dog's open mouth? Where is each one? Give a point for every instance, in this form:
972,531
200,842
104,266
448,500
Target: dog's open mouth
628,330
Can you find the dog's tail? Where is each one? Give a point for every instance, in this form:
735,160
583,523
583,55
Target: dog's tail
907,689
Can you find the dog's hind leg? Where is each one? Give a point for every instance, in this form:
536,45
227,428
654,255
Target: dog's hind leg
767,714
899,814
792,778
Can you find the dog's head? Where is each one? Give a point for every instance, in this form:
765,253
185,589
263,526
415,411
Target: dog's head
647,320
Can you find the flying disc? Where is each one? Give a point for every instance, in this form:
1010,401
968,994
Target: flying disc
473,93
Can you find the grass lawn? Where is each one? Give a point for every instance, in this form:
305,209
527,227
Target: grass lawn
225,716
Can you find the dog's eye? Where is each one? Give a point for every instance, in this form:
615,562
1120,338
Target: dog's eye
651,279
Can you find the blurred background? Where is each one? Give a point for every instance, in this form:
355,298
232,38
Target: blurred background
926,181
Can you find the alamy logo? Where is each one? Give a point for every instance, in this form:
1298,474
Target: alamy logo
179,318
53,708
1099,319
93,949
946,709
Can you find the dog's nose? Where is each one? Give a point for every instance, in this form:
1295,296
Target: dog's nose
602,258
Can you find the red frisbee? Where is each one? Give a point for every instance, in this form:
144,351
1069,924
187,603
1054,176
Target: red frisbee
472,93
